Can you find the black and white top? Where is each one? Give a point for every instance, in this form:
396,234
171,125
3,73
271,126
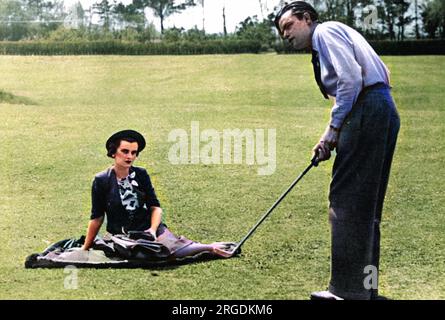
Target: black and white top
128,194
129,197
126,202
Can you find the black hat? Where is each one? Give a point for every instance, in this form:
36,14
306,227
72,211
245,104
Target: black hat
121,135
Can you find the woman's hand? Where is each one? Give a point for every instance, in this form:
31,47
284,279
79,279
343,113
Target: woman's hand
93,229
152,232
156,216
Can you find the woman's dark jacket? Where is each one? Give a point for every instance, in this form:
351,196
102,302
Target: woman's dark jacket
106,200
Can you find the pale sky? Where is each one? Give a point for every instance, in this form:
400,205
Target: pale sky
236,11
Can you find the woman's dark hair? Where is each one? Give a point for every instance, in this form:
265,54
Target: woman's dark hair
298,9
112,147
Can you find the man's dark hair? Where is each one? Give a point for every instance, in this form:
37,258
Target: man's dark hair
298,9
112,148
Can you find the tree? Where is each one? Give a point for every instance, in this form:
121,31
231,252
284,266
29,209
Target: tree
105,12
433,17
395,15
224,20
163,8
129,16
46,16
252,29
390,13
349,6
416,19
201,2
403,20
75,17
37,9
262,5
12,16
340,10
29,19
334,11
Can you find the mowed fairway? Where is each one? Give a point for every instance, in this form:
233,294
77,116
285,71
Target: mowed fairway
57,112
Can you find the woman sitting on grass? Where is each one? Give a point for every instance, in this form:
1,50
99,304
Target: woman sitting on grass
125,194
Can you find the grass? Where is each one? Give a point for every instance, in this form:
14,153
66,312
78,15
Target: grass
53,147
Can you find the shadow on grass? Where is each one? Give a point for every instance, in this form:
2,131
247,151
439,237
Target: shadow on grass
6,97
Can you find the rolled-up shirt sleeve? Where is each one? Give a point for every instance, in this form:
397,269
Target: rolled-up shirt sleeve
339,51
152,199
97,200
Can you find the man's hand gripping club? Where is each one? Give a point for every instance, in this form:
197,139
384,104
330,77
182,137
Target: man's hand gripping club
328,141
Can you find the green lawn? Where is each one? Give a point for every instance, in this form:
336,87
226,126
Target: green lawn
57,112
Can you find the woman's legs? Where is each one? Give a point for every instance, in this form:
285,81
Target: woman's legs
182,247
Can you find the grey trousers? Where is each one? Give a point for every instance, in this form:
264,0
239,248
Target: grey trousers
360,176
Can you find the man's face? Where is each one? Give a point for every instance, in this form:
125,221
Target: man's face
126,154
297,32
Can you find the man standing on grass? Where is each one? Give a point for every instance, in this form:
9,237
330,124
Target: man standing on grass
363,129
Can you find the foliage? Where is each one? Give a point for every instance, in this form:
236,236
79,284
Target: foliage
29,19
129,15
97,33
73,46
49,20
433,17
104,9
163,8
251,28
194,35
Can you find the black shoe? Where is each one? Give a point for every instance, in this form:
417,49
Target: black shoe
324,295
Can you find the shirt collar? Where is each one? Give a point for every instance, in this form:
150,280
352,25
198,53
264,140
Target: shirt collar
131,170
314,43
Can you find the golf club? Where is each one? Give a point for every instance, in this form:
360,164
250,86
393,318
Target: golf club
314,163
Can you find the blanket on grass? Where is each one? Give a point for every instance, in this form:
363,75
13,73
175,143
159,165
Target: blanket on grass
133,250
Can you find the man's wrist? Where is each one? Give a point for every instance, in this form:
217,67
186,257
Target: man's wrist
334,128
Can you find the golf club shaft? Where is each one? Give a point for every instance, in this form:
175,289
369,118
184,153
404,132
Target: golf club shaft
314,162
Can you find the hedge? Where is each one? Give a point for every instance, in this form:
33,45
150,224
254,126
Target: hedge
128,48
410,47
386,47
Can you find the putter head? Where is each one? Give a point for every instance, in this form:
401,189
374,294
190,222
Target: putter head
226,249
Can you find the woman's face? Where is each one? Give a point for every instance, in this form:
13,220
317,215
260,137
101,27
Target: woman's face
126,154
